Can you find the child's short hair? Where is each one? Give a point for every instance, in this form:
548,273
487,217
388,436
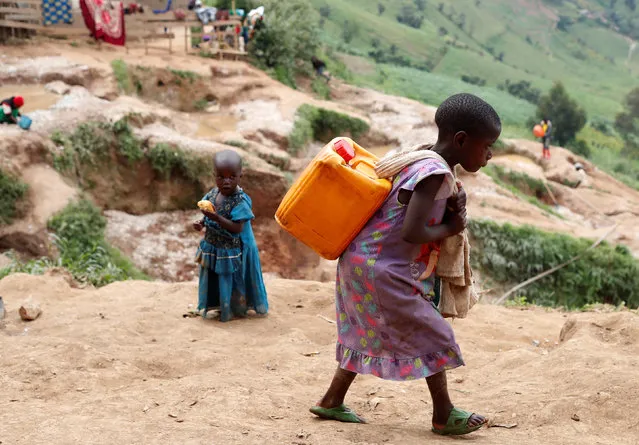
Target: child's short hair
466,112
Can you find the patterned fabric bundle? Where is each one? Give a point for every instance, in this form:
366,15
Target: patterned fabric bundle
105,20
56,11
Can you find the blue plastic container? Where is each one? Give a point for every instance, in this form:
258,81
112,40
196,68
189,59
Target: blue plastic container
25,122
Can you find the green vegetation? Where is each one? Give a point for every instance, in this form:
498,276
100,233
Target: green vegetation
322,125
498,41
238,144
567,117
168,161
83,251
509,255
94,142
627,124
321,89
201,104
515,55
185,75
12,190
523,186
121,73
288,39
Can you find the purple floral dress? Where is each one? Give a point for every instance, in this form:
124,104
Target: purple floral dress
387,323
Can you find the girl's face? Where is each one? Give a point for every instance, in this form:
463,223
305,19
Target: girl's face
227,178
475,151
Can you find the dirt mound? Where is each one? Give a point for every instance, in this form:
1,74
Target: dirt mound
124,353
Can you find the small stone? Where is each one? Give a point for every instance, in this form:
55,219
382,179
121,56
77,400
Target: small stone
459,380
29,311
575,417
1,309
536,343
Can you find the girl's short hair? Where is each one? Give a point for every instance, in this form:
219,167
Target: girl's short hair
466,112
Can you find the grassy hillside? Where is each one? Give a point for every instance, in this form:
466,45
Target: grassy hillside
495,40
586,44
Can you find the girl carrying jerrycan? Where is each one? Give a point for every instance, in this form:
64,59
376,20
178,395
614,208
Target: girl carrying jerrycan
387,319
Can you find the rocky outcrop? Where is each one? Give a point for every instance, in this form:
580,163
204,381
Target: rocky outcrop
163,245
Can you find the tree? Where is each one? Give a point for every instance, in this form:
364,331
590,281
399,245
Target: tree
410,16
350,30
566,115
461,21
421,4
631,4
288,38
381,8
325,11
393,49
627,123
564,23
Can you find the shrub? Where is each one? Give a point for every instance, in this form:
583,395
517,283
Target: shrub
603,126
523,186
321,89
410,16
121,73
168,161
580,147
320,124
473,80
12,190
95,141
522,89
83,251
510,255
185,75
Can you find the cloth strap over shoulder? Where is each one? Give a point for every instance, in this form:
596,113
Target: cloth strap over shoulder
393,163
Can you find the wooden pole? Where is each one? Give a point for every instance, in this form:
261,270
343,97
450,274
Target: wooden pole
186,39
171,42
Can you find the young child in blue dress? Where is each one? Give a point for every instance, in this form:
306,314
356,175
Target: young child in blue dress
230,271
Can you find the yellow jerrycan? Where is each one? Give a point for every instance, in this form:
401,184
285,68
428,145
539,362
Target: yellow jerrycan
334,198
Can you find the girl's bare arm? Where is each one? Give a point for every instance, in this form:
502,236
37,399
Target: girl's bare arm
415,229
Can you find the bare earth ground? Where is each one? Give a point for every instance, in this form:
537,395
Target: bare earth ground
120,365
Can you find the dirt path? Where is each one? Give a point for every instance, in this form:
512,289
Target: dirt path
121,365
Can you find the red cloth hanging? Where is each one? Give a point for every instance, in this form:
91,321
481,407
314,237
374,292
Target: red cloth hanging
104,23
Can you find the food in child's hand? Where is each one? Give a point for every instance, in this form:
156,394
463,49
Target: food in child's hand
207,206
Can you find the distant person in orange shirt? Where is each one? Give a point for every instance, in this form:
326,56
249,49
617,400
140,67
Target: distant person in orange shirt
547,126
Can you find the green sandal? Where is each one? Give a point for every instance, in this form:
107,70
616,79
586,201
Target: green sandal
457,424
340,413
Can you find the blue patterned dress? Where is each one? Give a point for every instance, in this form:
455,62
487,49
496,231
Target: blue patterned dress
230,270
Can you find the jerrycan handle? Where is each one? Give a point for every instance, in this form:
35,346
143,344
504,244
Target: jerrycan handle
366,162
